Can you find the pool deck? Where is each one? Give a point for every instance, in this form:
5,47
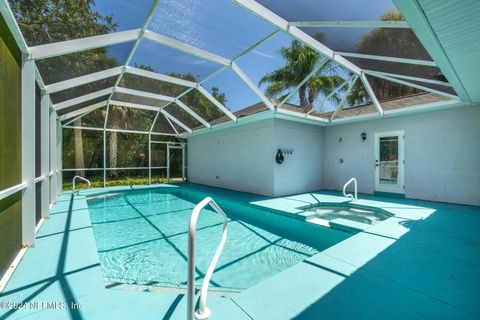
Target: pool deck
421,263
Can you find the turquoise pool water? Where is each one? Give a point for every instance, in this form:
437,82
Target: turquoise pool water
142,239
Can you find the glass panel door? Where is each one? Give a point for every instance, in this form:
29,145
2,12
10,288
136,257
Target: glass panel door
176,163
389,162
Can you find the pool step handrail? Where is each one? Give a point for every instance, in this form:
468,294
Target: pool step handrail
81,178
203,311
352,197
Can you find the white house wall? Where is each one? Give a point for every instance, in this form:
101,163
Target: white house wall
301,171
239,158
442,154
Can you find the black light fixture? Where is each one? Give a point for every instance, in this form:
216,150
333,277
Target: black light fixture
364,136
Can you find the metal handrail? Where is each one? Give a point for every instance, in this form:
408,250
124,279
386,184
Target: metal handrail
203,312
345,189
81,178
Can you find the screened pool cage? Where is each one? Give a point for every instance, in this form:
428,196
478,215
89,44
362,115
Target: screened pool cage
118,101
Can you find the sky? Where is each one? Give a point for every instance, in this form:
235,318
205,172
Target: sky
222,27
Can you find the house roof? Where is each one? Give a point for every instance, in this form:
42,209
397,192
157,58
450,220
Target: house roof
388,105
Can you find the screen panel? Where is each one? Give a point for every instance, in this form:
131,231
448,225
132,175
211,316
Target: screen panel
82,148
126,118
203,106
217,26
184,117
94,119
126,150
82,90
39,20
329,10
78,64
162,59
390,42
135,82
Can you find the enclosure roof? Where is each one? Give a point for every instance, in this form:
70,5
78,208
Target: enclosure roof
187,65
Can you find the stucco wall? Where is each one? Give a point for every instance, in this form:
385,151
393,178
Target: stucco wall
442,154
243,158
301,171
239,158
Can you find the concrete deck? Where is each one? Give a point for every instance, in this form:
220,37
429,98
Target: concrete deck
421,263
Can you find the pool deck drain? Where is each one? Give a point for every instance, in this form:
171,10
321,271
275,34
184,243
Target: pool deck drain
418,264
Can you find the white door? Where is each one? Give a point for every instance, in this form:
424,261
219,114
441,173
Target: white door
389,162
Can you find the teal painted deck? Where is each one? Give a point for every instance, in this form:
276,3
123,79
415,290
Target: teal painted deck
421,263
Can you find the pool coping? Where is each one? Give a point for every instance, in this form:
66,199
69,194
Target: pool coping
302,283
370,242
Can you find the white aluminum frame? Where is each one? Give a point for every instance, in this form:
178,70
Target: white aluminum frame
372,95
71,46
181,46
67,47
413,85
170,117
75,82
336,90
404,77
160,77
351,24
340,105
144,94
212,99
308,77
90,96
45,154
28,152
133,105
387,59
82,111
252,86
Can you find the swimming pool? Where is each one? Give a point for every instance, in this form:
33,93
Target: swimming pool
141,239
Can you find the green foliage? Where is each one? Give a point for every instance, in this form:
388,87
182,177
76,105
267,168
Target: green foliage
115,182
92,151
47,21
300,61
383,42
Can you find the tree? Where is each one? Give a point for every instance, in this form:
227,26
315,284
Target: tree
300,61
47,21
403,43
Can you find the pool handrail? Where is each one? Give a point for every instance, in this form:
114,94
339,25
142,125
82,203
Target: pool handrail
353,198
81,178
203,312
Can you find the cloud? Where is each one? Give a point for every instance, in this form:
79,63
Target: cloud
261,54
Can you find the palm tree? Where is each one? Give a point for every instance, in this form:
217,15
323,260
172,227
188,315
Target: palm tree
300,61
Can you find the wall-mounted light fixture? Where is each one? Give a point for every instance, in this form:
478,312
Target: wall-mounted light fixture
364,136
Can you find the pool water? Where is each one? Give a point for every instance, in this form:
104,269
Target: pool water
367,216
142,239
